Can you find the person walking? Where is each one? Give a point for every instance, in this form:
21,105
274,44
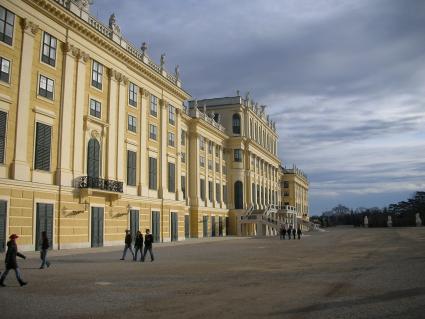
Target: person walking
128,240
148,245
138,245
283,232
294,232
299,232
43,251
289,231
11,263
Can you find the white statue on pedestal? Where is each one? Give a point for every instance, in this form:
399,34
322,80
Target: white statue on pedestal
366,221
418,220
389,222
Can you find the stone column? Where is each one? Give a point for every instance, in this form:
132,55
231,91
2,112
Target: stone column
121,126
64,172
79,149
21,167
111,172
144,154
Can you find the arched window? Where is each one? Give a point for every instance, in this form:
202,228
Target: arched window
93,158
238,195
236,123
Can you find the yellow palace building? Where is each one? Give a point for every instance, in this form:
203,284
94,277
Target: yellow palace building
95,138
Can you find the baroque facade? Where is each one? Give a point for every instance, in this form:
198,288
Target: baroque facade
95,138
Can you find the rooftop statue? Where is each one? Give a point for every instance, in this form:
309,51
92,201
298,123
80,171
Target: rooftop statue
113,24
177,71
144,48
162,60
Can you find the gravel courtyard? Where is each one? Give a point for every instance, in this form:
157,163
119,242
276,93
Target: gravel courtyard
341,273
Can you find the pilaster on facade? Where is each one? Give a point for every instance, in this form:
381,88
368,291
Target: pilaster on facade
21,166
144,155
121,125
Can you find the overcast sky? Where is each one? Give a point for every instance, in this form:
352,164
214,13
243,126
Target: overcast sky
344,80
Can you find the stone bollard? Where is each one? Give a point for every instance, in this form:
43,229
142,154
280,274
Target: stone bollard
366,222
418,220
389,222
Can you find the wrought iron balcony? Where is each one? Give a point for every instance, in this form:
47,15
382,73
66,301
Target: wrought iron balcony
100,183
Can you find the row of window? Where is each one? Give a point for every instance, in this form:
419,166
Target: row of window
261,137
210,165
203,142
211,191
262,195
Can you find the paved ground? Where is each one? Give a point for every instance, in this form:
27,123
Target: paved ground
342,273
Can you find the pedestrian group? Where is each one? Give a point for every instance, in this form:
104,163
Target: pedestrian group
290,231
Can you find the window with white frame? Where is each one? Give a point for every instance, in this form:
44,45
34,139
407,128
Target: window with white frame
7,22
95,108
97,74
183,137
202,161
46,87
132,94
48,54
4,70
154,105
153,132
171,139
132,123
171,115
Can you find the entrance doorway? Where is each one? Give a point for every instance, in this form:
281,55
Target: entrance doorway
156,226
174,227
134,223
44,222
97,217
205,226
3,212
186,226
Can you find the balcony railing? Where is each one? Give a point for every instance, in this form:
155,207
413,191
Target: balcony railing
100,183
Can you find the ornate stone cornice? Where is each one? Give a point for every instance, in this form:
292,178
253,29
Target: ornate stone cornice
29,26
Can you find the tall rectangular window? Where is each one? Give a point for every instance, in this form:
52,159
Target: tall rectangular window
132,123
132,94
4,70
183,157
183,186
237,155
48,55
7,21
46,87
171,177
97,73
210,147
225,194
202,188
131,168
210,191
285,184
217,151
210,164
202,161
183,137
217,192
95,108
153,132
202,143
42,146
3,126
224,170
171,139
171,114
154,105
152,173
217,167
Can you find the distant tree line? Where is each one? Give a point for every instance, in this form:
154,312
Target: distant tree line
402,214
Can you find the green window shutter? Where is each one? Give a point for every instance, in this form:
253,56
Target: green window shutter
43,146
131,168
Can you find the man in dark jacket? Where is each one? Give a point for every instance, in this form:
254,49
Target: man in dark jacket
11,263
128,240
43,251
294,232
138,245
299,232
148,245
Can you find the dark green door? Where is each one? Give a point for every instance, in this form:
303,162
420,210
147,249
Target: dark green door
205,226
3,212
96,226
44,222
156,226
134,223
186,226
220,226
212,226
174,227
